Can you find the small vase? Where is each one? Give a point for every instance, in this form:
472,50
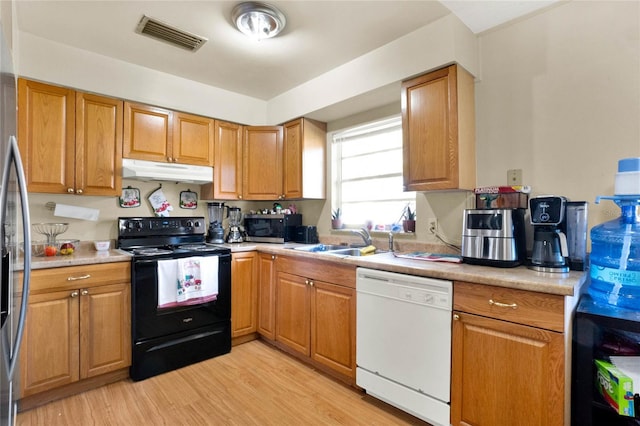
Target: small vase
409,225
336,223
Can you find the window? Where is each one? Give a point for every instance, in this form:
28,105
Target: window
367,171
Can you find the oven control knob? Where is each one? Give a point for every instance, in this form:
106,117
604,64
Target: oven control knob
189,224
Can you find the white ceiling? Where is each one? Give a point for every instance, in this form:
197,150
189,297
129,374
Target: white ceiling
319,36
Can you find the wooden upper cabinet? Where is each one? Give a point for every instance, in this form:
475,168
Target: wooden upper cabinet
148,133
304,150
227,164
158,134
98,144
268,162
193,137
70,141
46,136
438,127
262,163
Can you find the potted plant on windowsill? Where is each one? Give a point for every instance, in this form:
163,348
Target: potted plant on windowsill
409,221
336,219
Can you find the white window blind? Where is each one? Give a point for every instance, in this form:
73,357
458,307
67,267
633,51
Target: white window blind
367,170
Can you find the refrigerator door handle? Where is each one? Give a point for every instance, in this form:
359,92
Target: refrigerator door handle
13,156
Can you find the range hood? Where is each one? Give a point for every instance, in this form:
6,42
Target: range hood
152,170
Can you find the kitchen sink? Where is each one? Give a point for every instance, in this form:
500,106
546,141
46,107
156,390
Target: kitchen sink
347,252
334,250
321,248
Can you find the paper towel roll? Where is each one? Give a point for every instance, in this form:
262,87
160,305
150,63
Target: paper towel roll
76,212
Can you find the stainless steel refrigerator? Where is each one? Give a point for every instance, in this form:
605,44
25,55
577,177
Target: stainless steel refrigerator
14,235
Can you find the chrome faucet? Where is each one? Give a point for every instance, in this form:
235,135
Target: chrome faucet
391,242
366,237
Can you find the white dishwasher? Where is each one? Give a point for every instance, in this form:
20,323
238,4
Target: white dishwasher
403,344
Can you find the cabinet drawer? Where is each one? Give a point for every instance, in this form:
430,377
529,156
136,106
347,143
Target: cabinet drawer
518,306
82,276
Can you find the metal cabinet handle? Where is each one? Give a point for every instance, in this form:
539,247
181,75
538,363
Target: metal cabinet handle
456,317
503,305
273,257
74,293
79,191
311,283
84,292
82,277
70,190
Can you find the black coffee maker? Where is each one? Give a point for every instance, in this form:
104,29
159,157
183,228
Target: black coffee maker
559,234
550,252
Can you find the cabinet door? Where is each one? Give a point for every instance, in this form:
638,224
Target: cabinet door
262,163
147,133
333,327
46,136
267,295
98,145
293,312
227,169
438,152
505,374
49,353
105,329
304,150
244,293
192,139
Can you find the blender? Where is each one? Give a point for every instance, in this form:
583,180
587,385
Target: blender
235,220
216,216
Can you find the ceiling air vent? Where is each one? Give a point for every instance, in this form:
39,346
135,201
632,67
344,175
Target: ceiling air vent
162,31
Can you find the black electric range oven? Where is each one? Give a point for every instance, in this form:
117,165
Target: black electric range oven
180,293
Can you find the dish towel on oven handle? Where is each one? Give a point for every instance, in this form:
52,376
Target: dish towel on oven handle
188,281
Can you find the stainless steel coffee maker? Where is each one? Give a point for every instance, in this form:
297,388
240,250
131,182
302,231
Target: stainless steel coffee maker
559,234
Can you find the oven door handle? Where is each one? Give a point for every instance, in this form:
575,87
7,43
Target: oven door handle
146,261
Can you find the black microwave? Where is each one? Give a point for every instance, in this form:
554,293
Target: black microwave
271,228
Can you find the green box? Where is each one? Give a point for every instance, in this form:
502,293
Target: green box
615,387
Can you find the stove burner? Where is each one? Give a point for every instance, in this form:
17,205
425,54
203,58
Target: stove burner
149,251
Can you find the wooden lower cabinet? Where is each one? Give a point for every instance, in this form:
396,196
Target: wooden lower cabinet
244,293
267,295
315,318
503,372
78,327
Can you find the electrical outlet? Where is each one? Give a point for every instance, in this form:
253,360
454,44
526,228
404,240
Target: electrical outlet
514,177
433,225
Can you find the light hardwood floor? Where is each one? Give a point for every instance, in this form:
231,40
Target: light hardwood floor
253,385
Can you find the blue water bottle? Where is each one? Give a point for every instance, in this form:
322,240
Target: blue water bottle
615,245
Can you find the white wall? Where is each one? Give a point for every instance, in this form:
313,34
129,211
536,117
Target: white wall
442,42
41,59
559,98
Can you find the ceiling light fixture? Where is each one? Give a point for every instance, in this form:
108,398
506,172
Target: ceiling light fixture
258,20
